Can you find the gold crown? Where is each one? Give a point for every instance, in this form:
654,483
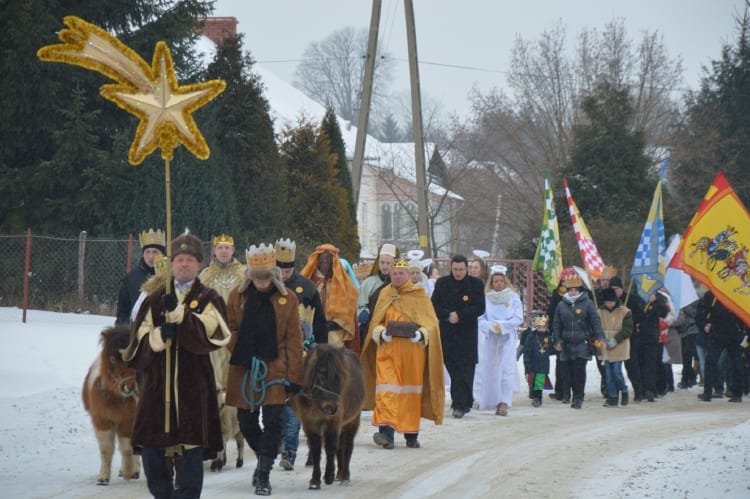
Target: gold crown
609,272
223,239
261,257
152,237
285,249
573,281
400,264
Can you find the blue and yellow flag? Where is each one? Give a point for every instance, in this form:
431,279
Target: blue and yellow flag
715,245
548,257
650,263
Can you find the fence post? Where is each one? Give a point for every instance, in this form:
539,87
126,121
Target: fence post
129,262
81,263
26,274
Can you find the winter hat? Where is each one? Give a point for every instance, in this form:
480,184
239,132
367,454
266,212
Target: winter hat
187,244
608,294
615,282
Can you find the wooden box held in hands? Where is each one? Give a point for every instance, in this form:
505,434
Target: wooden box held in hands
401,329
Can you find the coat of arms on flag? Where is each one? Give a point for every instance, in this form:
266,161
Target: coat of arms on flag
715,245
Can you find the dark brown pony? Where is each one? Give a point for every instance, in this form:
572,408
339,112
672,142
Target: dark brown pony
329,406
110,395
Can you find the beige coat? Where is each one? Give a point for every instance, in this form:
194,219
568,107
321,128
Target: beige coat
618,324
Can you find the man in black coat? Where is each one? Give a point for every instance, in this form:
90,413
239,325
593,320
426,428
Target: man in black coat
724,331
459,301
153,246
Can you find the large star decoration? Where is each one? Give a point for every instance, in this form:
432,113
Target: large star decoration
151,93
165,110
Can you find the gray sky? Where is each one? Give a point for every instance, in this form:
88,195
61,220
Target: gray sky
477,34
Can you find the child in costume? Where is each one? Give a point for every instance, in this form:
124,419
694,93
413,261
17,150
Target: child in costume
537,347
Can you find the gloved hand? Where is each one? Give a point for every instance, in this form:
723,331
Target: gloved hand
308,343
364,316
169,302
332,325
598,344
611,343
417,337
385,337
167,331
291,387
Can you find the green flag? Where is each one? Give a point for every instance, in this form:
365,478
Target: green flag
548,257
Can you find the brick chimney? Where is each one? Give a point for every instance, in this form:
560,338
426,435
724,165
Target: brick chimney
218,28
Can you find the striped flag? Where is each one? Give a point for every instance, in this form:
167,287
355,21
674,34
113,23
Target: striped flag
548,257
649,265
592,261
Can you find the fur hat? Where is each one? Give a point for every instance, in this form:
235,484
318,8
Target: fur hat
187,244
616,282
153,239
608,294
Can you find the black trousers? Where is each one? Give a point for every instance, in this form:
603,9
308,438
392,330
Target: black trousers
188,468
264,441
734,365
462,384
688,356
648,352
574,377
633,368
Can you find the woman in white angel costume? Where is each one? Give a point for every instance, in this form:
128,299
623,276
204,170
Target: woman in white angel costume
498,326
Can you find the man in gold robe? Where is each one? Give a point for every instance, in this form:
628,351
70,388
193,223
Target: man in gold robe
402,358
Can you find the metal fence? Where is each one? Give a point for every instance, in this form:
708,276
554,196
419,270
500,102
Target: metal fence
84,274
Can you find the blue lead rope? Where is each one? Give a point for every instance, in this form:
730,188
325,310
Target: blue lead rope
256,375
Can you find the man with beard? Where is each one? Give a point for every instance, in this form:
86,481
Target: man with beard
459,301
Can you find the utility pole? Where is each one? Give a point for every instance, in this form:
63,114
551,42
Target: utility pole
496,235
364,106
416,117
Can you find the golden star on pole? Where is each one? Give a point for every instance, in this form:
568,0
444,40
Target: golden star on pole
165,109
150,92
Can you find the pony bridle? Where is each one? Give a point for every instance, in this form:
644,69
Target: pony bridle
121,383
318,388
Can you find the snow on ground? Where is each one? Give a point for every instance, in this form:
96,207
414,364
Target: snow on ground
676,447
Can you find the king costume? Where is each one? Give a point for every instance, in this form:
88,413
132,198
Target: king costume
404,380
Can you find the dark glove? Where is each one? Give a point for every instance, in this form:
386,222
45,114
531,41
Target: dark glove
167,331
169,301
291,387
364,316
333,325
308,343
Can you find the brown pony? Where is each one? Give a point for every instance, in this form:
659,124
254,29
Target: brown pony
329,405
110,395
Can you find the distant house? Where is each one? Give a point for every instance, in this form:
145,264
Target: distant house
387,206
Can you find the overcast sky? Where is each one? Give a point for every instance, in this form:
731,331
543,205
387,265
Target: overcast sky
476,34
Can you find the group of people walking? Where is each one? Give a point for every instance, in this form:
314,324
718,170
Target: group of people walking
243,329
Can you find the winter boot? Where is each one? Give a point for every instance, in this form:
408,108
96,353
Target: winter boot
611,402
263,487
623,398
537,400
287,460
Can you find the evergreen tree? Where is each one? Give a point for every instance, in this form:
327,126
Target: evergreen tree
715,133
330,127
27,124
610,177
318,211
241,126
609,173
